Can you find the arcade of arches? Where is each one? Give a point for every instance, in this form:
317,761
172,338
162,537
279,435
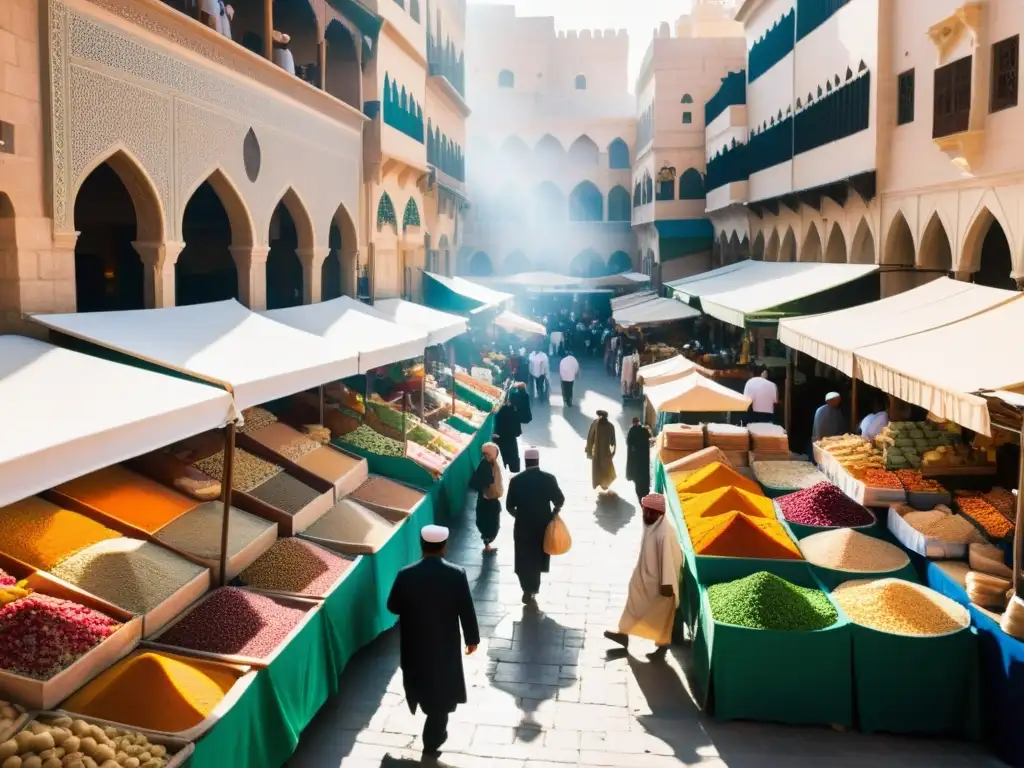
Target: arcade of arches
586,263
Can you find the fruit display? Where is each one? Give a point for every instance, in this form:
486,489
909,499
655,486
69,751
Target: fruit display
916,483
994,524
905,443
366,439
489,391
852,452
53,742
877,478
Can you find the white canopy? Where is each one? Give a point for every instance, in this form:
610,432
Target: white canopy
749,288
653,312
518,324
834,337
486,297
66,414
538,280
665,371
633,298
941,369
695,393
349,326
221,342
621,280
440,327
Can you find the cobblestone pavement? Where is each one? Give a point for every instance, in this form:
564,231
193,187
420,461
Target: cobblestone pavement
546,689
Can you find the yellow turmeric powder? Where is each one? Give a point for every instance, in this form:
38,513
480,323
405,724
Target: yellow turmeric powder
156,691
42,534
737,535
728,499
712,477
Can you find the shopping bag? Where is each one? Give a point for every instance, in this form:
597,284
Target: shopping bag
557,540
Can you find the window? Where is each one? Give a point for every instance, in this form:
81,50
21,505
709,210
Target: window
581,83
905,89
1005,55
506,79
952,106
687,118
687,99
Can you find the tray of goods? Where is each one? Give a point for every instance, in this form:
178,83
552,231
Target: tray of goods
299,568
461,438
996,527
872,487
732,544
697,460
822,506
914,657
51,645
937,533
781,477
840,554
923,492
768,437
139,577
495,393
346,396
84,742
760,638
434,463
366,439
711,477
12,719
986,558
683,437
166,468
388,498
160,693
1003,500
237,626
905,444
729,437
352,529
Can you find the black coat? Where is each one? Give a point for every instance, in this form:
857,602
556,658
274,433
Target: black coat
532,499
638,453
431,599
507,426
520,400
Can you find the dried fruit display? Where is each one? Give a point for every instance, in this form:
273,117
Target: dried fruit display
995,525
294,565
917,483
256,419
368,440
877,478
9,714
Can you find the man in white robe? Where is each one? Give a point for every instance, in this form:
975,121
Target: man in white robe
654,588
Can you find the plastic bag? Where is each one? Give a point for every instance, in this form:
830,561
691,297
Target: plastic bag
557,540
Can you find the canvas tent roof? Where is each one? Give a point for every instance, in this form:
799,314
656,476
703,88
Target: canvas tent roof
633,298
665,371
514,323
222,342
834,337
742,291
66,414
348,325
479,296
695,393
654,312
440,327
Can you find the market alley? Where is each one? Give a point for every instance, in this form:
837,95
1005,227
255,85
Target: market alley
547,689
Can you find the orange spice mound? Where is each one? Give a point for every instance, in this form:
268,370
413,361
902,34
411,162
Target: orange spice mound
877,478
737,535
129,497
156,691
724,500
713,477
42,535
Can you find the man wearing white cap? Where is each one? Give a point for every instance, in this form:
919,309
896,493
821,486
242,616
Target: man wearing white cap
431,599
828,419
654,587
533,498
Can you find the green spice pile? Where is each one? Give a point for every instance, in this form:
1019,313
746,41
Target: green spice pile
766,601
364,437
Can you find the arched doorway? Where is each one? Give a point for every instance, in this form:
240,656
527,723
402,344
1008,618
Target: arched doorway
987,253
289,231
516,262
619,262
480,265
863,249
835,251
330,272
587,264
757,252
586,203
343,75
549,150
898,257
584,151
936,254
206,270
338,273
788,250
618,204
812,246
109,275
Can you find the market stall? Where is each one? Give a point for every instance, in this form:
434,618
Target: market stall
653,312
456,294
440,327
519,325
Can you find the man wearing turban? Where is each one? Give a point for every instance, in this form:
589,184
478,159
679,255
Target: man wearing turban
654,587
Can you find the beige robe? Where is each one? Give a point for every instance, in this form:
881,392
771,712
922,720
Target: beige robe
600,450
647,613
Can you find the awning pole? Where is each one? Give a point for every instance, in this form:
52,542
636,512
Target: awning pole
229,467
423,388
788,404
322,405
451,363
853,405
1018,539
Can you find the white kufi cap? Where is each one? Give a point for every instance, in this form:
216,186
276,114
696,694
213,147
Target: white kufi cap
434,534
831,396
531,454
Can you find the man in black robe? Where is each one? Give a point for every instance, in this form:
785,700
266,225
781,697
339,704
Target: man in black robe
638,458
533,498
507,429
431,599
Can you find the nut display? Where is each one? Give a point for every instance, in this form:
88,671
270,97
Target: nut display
9,714
256,419
368,440
65,743
294,565
248,471
789,475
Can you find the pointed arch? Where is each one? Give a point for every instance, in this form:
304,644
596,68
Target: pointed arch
648,193
619,262
386,216
587,263
338,273
515,146
550,203
480,265
835,248
732,255
899,247
586,203
757,250
304,229
691,185
342,75
935,253
771,251
638,195
584,151
986,251
618,204
581,82
243,230
515,263
862,250
151,223
618,155
787,251
549,148
687,99
411,215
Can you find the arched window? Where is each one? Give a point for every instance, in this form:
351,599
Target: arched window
414,10
637,196
581,82
691,185
386,212
619,262
411,216
586,203
618,154
687,99
648,189
618,204
506,79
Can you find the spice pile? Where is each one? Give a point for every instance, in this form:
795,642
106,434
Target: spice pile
988,518
294,565
70,742
351,528
41,635
900,607
843,549
235,622
365,438
823,506
286,493
134,575
199,532
42,534
737,535
766,601
724,500
377,491
940,523
787,475
155,690
915,482
247,472
713,476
